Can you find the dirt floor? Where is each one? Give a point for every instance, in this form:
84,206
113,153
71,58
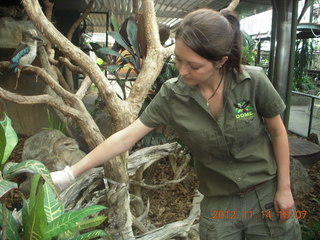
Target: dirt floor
173,203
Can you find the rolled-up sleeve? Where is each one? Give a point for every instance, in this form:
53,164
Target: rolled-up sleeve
269,103
158,111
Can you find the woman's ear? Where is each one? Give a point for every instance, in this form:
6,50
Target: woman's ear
223,60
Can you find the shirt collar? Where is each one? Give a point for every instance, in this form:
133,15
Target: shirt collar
232,77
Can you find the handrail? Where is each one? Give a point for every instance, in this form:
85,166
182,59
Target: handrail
313,97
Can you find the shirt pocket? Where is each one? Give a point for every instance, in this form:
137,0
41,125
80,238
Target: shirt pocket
200,142
247,130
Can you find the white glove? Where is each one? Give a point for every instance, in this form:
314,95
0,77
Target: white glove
63,179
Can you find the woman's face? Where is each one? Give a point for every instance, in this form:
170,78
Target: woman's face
192,67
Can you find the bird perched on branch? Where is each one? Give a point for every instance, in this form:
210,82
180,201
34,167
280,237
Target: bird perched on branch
25,53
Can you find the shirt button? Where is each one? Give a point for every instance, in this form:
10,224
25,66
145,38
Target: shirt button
239,179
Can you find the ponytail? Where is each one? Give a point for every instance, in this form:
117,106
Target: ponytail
235,54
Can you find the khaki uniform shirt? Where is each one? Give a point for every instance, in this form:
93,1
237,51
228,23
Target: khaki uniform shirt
233,152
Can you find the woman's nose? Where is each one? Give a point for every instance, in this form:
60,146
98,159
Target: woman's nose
183,70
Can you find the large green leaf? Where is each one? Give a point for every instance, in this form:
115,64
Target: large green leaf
28,166
52,206
69,220
118,38
35,221
132,31
11,139
8,224
6,186
90,235
109,51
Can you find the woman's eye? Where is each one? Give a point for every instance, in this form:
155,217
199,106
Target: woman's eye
194,67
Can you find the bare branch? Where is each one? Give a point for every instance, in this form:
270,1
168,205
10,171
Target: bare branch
84,87
154,187
232,6
51,82
147,156
69,65
80,19
61,79
40,99
178,228
48,12
116,107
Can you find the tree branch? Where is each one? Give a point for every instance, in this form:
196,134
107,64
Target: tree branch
156,56
40,99
83,87
69,65
80,19
116,107
154,187
232,6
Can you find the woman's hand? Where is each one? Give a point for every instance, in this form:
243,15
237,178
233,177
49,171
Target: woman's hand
284,203
63,179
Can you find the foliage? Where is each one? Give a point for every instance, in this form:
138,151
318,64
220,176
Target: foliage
248,55
303,58
311,231
248,49
54,122
124,57
43,215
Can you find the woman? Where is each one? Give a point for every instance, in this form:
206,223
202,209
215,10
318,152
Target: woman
229,117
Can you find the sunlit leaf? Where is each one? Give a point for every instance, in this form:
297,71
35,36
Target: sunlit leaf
28,166
90,235
52,206
11,139
69,220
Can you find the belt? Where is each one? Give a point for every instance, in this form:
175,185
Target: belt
249,189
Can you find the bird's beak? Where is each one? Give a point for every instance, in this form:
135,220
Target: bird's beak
37,38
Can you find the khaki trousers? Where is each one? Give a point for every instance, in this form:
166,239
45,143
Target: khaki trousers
248,216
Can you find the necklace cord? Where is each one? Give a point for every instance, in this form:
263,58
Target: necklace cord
212,95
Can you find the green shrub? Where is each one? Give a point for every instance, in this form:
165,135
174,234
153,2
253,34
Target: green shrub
43,215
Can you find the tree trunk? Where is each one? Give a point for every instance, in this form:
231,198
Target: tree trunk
121,112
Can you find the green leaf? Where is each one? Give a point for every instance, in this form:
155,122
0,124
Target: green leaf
69,220
132,31
52,206
11,139
28,166
35,221
8,224
109,51
90,235
113,68
114,23
118,38
91,222
6,186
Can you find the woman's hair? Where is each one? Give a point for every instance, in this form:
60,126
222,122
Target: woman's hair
213,35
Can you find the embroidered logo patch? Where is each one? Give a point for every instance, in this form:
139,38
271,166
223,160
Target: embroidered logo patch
243,110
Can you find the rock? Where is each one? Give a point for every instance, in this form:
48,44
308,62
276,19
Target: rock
53,149
301,184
